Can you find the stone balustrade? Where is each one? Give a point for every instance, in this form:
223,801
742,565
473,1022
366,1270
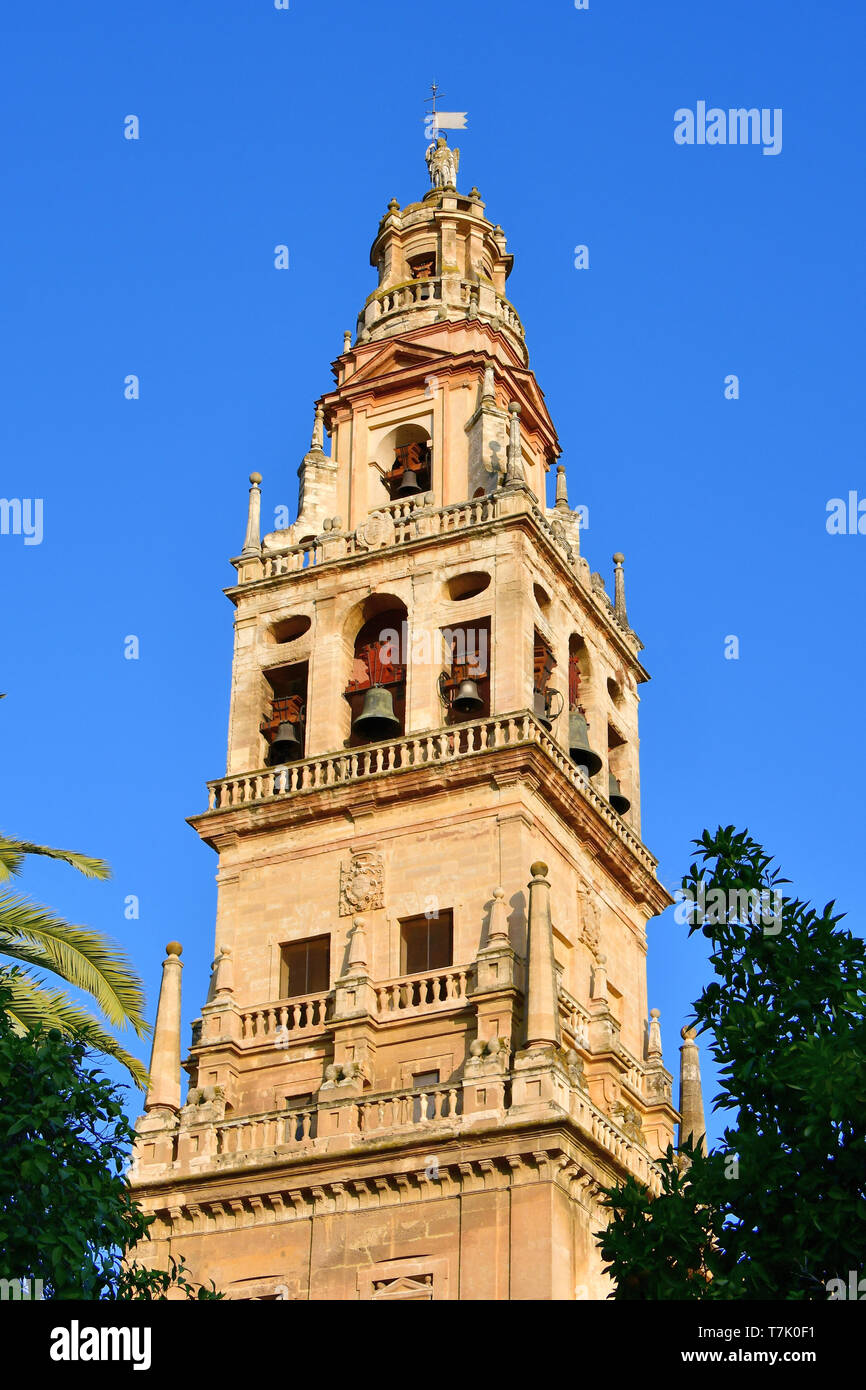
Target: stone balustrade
285,1018
574,1019
413,994
412,751
400,1109
287,1128
360,1118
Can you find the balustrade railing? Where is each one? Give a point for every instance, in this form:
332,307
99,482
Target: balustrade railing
436,989
286,1017
286,1127
402,1108
574,1019
416,751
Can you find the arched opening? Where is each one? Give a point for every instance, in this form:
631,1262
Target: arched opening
581,750
547,701
283,727
376,691
405,458
618,792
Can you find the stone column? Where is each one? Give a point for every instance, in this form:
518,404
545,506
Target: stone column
691,1095
164,1089
542,1006
252,541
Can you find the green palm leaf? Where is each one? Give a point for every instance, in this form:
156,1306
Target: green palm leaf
13,852
32,1003
85,959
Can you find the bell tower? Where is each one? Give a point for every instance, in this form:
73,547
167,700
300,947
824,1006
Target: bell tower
426,1044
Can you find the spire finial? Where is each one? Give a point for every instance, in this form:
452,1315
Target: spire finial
691,1094
654,1043
619,587
164,1089
561,488
498,929
514,459
318,438
542,1005
253,542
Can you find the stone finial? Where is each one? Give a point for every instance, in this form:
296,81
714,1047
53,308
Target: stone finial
253,541
318,438
619,587
561,488
394,206
514,458
347,340
542,1003
488,386
691,1095
164,1089
357,962
224,973
498,929
654,1042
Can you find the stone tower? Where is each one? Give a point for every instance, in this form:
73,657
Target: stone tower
426,1044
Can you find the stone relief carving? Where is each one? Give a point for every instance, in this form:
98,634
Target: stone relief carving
590,932
376,531
362,883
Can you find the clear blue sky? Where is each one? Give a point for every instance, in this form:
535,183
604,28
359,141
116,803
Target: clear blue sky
155,257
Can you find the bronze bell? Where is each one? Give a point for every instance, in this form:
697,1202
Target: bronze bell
619,802
578,744
467,699
409,485
377,719
286,744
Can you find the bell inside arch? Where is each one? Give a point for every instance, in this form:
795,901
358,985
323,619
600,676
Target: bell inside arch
377,719
286,744
409,485
467,698
619,802
578,744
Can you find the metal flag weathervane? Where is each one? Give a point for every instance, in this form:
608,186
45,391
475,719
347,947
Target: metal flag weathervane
441,120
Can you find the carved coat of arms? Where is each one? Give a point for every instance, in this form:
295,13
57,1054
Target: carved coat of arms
362,883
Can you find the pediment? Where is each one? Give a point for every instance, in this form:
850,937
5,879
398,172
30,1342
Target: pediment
398,357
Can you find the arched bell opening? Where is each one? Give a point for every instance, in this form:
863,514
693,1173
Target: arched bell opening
581,750
464,685
405,458
376,691
618,772
283,727
547,700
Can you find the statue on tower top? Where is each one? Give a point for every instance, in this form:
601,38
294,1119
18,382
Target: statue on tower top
442,163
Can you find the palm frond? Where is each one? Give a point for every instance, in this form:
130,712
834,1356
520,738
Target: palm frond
83,958
13,853
31,1002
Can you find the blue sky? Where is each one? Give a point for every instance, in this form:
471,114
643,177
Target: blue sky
155,257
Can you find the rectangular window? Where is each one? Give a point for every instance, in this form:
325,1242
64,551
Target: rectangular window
305,967
425,943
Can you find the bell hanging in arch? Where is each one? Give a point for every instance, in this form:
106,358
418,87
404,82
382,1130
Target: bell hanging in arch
467,698
377,719
619,802
578,744
409,485
286,744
